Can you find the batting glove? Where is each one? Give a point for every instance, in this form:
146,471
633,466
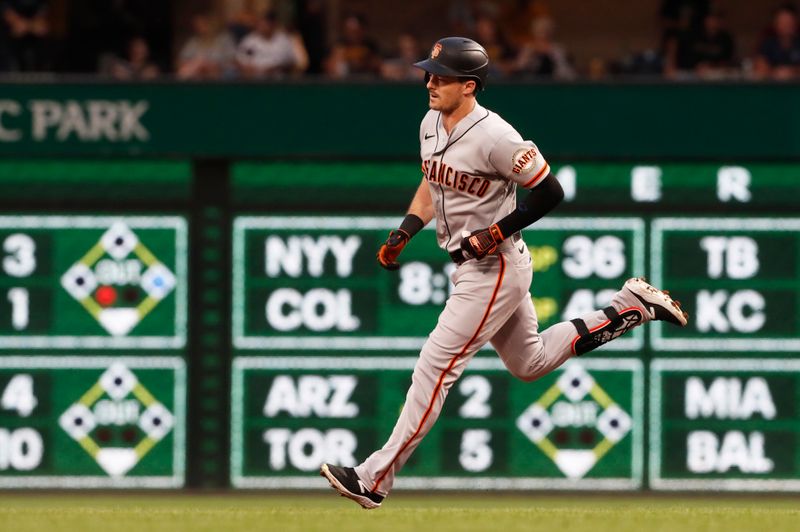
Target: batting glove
482,242
389,251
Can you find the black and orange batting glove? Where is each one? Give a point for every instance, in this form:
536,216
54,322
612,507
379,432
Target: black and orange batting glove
482,242
390,250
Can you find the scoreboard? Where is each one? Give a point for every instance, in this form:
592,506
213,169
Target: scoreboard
90,422
737,276
256,325
311,283
93,282
325,342
93,325
578,428
725,424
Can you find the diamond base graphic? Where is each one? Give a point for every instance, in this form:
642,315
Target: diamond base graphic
117,383
118,244
118,321
117,461
574,463
576,386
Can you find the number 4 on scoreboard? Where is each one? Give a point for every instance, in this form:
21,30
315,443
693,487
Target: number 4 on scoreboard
18,395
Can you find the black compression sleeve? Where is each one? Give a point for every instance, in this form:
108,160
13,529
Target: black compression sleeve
536,204
412,224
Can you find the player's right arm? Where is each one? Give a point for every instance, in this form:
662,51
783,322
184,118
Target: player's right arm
420,212
422,204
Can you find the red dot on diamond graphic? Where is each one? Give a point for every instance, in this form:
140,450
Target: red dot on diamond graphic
106,295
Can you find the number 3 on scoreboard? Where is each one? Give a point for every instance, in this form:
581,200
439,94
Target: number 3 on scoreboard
19,396
21,258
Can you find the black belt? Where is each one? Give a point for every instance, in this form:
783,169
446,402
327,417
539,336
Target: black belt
458,257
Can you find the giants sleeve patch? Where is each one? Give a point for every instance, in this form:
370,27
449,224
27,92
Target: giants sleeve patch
523,160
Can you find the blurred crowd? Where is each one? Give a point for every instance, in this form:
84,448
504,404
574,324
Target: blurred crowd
129,40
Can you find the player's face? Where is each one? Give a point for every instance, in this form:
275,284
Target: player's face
446,93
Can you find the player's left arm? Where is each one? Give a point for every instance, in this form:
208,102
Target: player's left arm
522,163
535,205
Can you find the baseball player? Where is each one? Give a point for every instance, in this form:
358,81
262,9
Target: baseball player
472,163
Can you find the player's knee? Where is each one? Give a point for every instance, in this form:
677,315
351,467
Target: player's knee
526,377
527,373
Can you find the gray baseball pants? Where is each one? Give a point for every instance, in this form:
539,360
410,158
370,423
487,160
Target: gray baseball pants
490,302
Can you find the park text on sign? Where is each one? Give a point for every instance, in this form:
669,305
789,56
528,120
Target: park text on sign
82,120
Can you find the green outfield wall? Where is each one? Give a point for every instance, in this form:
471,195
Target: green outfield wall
323,120
189,295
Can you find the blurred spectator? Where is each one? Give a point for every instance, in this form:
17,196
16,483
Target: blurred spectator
682,16
208,53
313,29
518,17
25,29
137,65
244,21
501,53
355,54
97,28
540,56
270,51
779,53
461,15
647,62
401,66
706,53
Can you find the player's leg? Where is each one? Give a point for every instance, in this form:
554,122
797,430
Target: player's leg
529,354
486,293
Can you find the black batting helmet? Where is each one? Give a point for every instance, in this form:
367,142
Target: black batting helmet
459,57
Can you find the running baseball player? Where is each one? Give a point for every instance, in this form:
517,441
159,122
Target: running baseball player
472,163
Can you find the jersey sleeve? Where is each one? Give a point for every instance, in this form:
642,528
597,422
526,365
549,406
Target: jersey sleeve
519,160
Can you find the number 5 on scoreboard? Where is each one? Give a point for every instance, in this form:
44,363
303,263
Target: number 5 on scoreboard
18,395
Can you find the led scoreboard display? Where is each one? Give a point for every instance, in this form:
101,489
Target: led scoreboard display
93,326
293,322
93,282
577,428
725,424
89,422
306,287
311,283
737,277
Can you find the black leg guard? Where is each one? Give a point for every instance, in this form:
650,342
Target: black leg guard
618,324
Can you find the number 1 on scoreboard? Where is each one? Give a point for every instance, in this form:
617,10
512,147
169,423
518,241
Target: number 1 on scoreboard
20,312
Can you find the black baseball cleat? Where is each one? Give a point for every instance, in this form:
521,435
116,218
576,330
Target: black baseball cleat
657,303
346,482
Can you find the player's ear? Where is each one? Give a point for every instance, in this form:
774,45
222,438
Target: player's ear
470,87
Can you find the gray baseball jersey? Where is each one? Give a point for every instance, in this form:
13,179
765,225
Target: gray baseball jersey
473,173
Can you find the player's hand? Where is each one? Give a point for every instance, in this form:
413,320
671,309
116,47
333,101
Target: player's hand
389,251
482,242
